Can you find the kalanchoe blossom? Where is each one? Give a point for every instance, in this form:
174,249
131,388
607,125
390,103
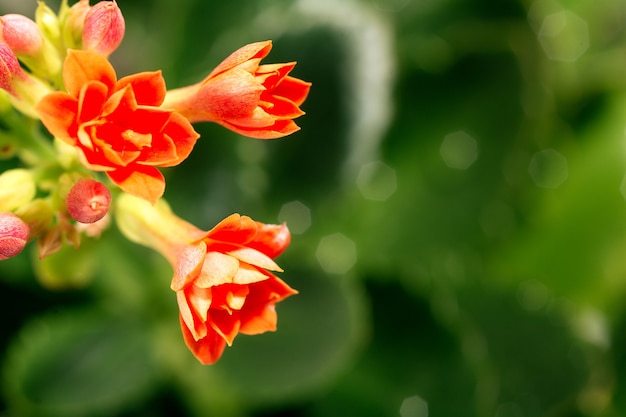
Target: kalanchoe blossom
258,101
88,201
13,235
117,126
103,28
223,278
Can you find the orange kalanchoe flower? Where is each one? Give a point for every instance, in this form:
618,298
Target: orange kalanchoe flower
258,101
224,287
223,278
117,126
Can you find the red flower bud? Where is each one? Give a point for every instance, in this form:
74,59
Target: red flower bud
104,28
21,34
13,235
10,69
88,201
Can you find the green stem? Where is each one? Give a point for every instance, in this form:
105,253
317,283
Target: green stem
35,149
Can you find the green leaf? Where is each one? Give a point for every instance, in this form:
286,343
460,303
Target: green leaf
79,363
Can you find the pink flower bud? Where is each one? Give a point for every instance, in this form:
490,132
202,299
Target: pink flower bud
13,235
10,68
88,201
104,28
21,34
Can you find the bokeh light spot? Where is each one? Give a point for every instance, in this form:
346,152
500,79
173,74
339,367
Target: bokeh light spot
414,406
296,215
459,150
532,295
564,36
377,181
336,253
548,168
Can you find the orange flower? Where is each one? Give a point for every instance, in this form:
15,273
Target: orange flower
116,125
258,101
224,287
223,278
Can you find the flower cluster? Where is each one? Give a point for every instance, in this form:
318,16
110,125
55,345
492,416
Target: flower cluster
105,140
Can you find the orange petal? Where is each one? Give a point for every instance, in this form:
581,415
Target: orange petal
234,229
258,320
188,265
225,324
271,239
58,112
292,88
282,108
149,87
83,66
182,134
208,349
247,274
91,100
256,258
217,269
200,300
279,129
243,54
141,181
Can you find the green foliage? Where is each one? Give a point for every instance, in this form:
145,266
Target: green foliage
489,274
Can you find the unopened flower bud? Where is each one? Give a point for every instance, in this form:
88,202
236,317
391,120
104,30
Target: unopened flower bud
17,188
21,34
10,69
104,28
88,201
13,235
72,23
48,23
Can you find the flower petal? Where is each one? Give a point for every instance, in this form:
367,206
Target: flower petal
247,274
149,87
81,67
245,53
217,269
57,112
235,228
208,349
225,324
141,181
271,239
188,265
256,258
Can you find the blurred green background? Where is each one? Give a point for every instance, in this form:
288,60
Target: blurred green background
457,202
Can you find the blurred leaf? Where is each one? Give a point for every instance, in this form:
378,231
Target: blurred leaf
576,235
79,363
